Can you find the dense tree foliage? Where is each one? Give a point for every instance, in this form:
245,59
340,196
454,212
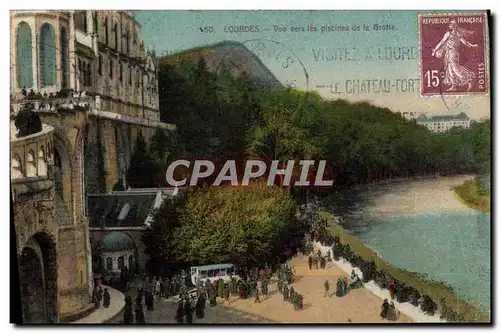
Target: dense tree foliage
142,170
242,225
222,117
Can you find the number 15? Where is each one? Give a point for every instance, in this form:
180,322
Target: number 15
432,78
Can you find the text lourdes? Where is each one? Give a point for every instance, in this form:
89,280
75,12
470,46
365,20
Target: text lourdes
387,53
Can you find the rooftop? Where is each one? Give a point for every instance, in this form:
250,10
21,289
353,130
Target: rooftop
214,266
460,116
119,209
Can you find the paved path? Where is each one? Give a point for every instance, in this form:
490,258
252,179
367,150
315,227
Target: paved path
165,309
103,315
358,306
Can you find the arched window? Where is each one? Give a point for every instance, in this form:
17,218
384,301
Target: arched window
121,72
121,263
109,264
58,172
115,31
64,58
24,56
30,164
106,31
81,72
89,75
128,42
131,263
130,75
47,56
138,81
81,20
99,68
111,69
16,167
42,164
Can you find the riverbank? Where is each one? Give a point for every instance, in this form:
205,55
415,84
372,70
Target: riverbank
424,195
473,195
466,311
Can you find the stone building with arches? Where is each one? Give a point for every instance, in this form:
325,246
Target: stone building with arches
86,74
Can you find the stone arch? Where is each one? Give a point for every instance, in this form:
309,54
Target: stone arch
30,164
79,168
38,279
24,48
47,55
16,167
63,173
42,162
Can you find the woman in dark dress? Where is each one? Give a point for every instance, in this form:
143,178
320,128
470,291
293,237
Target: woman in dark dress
106,298
139,314
179,316
200,306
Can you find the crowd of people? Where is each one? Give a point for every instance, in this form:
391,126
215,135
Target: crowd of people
248,283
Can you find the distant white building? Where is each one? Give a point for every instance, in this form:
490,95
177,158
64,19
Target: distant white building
444,123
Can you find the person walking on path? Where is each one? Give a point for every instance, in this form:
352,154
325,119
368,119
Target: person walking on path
310,262
189,312
257,299
106,298
280,286
226,293
327,287
285,293
200,306
128,315
179,315
139,314
392,288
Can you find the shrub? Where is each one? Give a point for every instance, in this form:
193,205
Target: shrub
381,279
368,269
414,296
403,293
429,306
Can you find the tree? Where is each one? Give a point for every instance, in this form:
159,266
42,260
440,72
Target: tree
27,121
243,225
159,235
142,170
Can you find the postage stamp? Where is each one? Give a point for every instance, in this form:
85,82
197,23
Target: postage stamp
453,54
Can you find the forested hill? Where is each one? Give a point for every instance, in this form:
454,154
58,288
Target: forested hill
228,56
220,116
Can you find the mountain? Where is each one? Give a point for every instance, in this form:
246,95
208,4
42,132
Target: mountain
228,55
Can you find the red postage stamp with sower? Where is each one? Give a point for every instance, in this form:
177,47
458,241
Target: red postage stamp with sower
453,58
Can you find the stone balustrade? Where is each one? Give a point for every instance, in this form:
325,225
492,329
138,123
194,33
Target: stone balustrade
32,155
75,102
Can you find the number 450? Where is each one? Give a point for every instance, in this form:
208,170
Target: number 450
432,78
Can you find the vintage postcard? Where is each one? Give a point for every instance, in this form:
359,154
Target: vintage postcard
249,167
